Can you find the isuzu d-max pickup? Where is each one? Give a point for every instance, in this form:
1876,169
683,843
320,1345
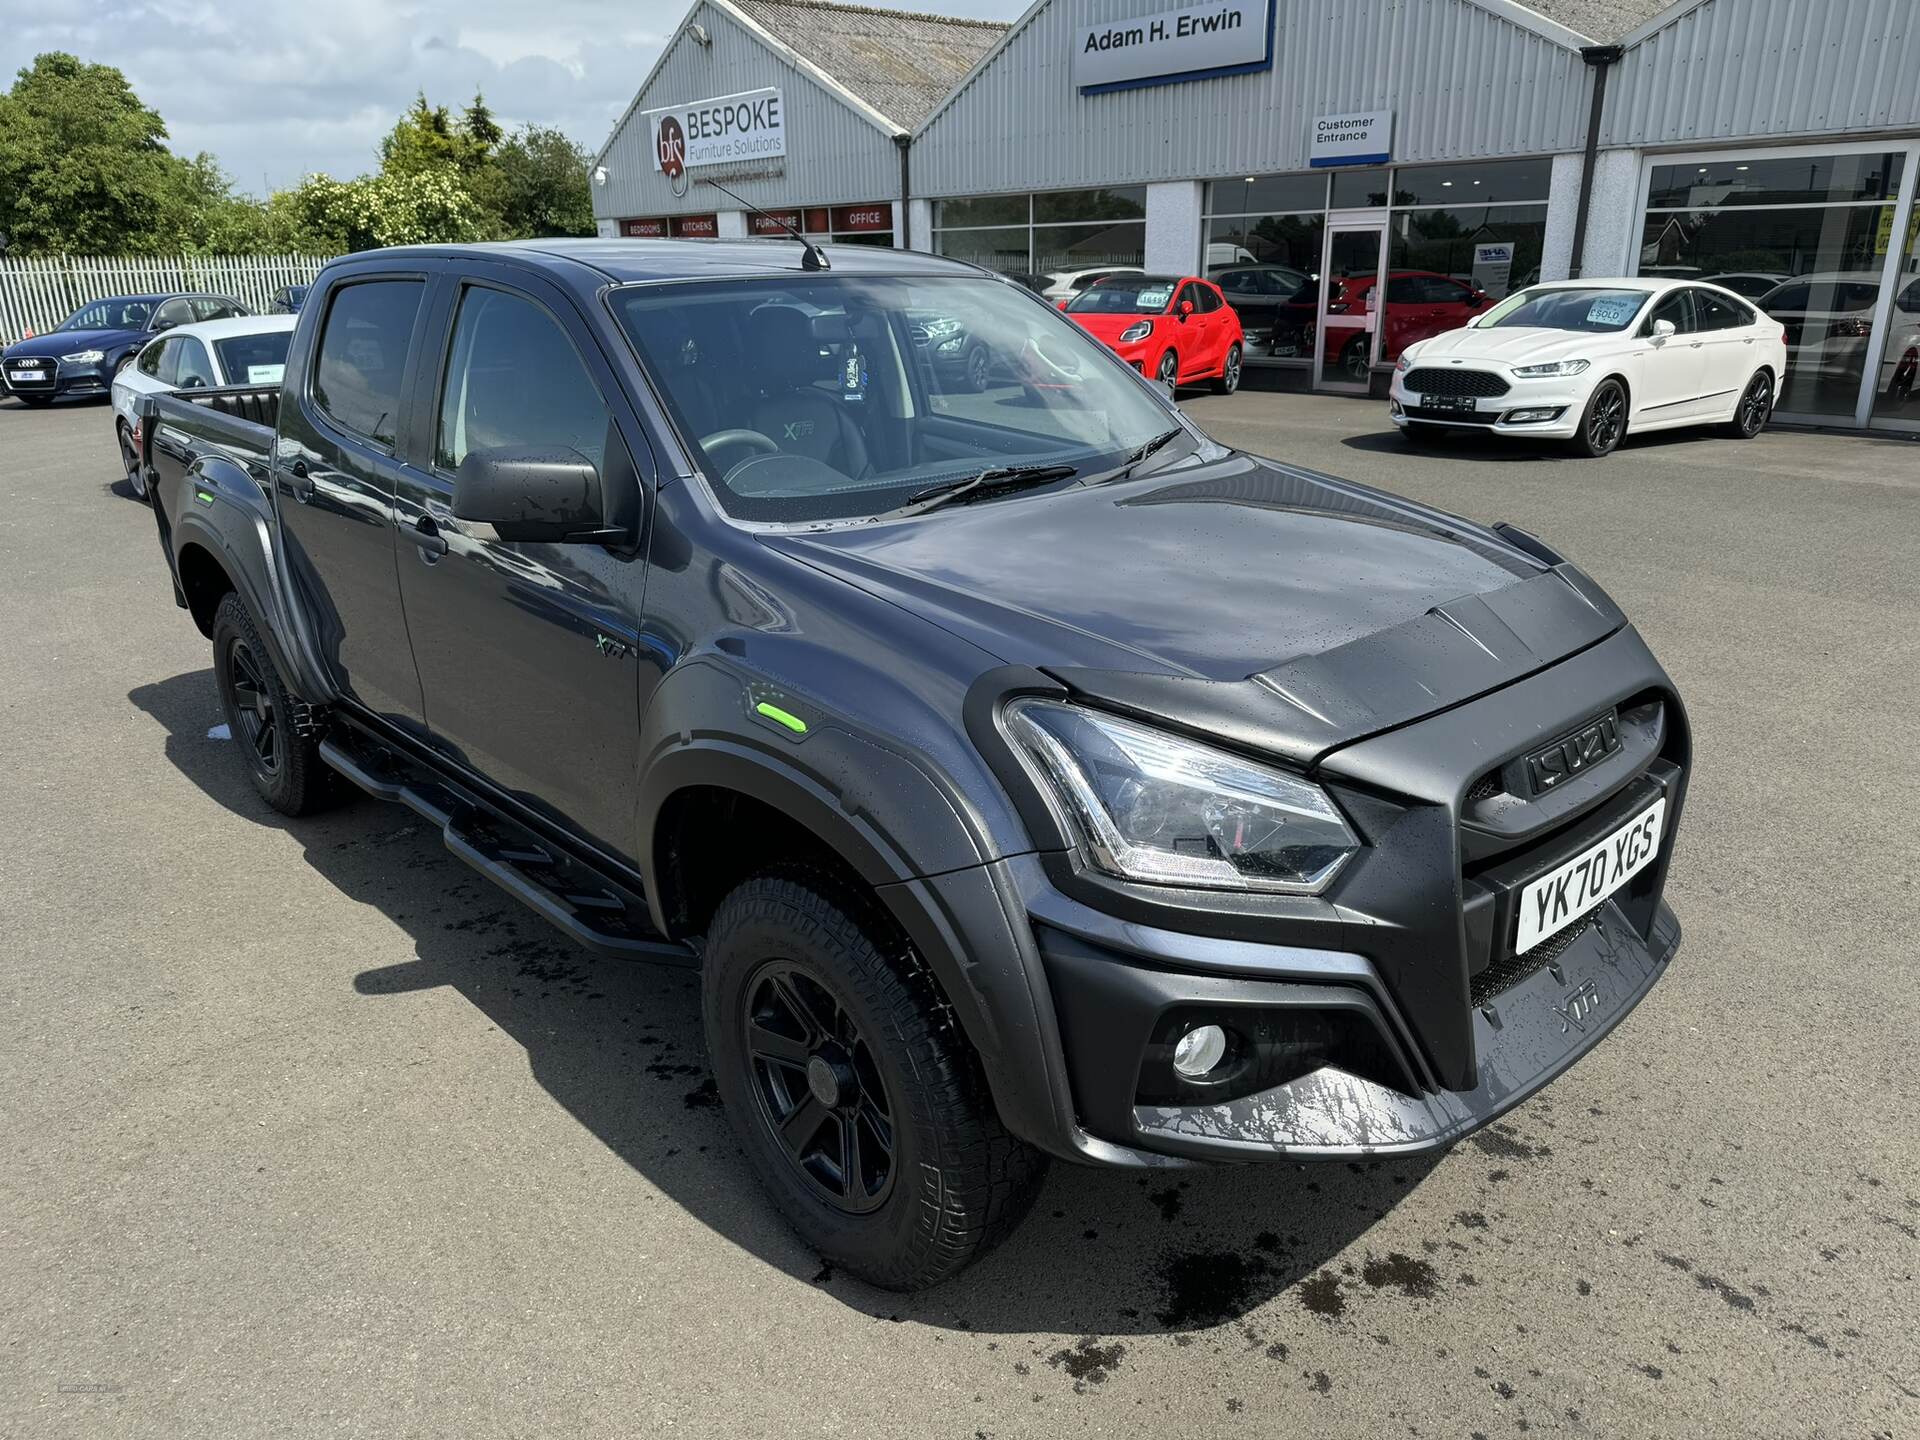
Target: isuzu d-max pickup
1026,774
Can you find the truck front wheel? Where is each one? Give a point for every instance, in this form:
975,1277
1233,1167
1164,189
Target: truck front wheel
285,767
859,1102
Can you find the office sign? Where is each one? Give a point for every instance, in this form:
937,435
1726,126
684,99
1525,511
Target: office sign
1362,139
1227,38
721,131
1493,267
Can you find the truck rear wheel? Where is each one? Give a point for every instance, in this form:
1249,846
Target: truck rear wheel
858,1100
285,767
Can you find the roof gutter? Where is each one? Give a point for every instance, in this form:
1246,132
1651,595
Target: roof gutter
1602,59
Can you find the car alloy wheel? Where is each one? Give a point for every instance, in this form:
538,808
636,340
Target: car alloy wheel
818,1087
1757,404
1169,371
1230,372
251,704
978,364
1353,360
1606,418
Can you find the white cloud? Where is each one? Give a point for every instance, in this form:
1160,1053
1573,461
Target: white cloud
277,89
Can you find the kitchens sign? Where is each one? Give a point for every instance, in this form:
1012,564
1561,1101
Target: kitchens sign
722,131
1228,38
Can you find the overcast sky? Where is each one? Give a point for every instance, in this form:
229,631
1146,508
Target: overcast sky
275,89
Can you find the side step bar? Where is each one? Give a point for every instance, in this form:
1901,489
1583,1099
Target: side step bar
593,909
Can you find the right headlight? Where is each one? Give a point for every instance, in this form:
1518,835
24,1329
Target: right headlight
1137,331
1553,367
1158,808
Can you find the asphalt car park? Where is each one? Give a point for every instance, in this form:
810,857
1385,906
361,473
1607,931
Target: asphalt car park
305,1125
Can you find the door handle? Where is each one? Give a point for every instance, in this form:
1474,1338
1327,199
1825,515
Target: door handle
302,486
426,535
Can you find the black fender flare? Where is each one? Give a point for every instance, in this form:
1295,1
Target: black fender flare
222,509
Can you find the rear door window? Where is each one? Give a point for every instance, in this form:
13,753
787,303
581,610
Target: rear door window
514,381
361,365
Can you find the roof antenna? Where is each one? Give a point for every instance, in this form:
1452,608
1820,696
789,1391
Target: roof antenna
812,257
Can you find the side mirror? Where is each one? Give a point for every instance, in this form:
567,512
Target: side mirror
1662,329
1186,309
532,494
1060,304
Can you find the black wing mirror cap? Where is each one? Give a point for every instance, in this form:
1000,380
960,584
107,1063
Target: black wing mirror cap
531,494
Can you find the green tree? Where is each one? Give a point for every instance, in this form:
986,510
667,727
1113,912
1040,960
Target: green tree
479,126
84,167
537,185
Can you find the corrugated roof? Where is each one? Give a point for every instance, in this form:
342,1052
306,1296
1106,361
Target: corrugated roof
899,61
1601,20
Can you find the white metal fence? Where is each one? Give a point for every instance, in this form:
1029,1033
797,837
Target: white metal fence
38,292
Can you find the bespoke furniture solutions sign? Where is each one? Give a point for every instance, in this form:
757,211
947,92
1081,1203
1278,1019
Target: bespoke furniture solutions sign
1228,38
1365,138
725,130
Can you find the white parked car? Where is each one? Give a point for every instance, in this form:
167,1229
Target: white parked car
246,350
1589,361
1828,319
1065,284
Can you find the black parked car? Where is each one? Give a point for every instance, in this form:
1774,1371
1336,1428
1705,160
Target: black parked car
288,299
82,354
1026,774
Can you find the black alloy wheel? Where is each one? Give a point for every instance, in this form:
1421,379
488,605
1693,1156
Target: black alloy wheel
1756,407
818,1087
251,703
130,461
1604,422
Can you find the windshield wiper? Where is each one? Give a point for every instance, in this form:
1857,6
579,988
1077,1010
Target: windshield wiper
999,478
1137,458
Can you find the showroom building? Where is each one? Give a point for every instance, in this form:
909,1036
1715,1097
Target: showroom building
1353,176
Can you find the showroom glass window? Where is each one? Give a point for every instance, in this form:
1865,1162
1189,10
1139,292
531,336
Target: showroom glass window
1804,236
1459,238
1054,233
1263,235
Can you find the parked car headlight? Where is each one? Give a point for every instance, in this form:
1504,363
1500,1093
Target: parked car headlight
1552,367
940,329
83,357
1134,332
1155,807
1404,363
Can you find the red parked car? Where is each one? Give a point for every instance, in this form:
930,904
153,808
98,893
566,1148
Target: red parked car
1420,304
1177,328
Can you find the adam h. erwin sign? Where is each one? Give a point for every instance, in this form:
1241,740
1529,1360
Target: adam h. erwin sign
721,131
1227,38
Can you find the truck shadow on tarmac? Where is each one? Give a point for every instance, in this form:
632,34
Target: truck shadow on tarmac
620,1046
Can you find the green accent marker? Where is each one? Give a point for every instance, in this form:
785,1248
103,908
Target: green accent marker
782,717
205,497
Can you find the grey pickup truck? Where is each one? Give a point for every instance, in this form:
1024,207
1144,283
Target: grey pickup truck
1026,774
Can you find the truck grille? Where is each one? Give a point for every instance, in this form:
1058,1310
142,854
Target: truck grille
1455,382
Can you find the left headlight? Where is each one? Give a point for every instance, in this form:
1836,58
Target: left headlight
1552,367
1155,807
83,357
1134,332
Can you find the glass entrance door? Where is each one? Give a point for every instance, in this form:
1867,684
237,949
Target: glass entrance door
1349,310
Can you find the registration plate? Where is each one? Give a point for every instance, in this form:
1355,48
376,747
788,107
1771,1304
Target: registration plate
1561,896
24,374
1449,402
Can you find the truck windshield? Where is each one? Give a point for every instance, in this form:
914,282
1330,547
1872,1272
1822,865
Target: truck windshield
1585,309
838,398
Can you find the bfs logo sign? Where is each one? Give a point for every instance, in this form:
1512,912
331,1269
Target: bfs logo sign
672,142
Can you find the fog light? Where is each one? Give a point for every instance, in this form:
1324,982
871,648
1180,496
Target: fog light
1523,417
1198,1051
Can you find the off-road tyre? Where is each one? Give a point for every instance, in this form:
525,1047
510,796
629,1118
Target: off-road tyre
960,1182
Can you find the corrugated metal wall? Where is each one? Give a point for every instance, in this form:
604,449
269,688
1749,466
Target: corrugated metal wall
1759,68
835,155
1462,81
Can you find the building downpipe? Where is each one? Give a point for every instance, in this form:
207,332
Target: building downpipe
905,145
1601,58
